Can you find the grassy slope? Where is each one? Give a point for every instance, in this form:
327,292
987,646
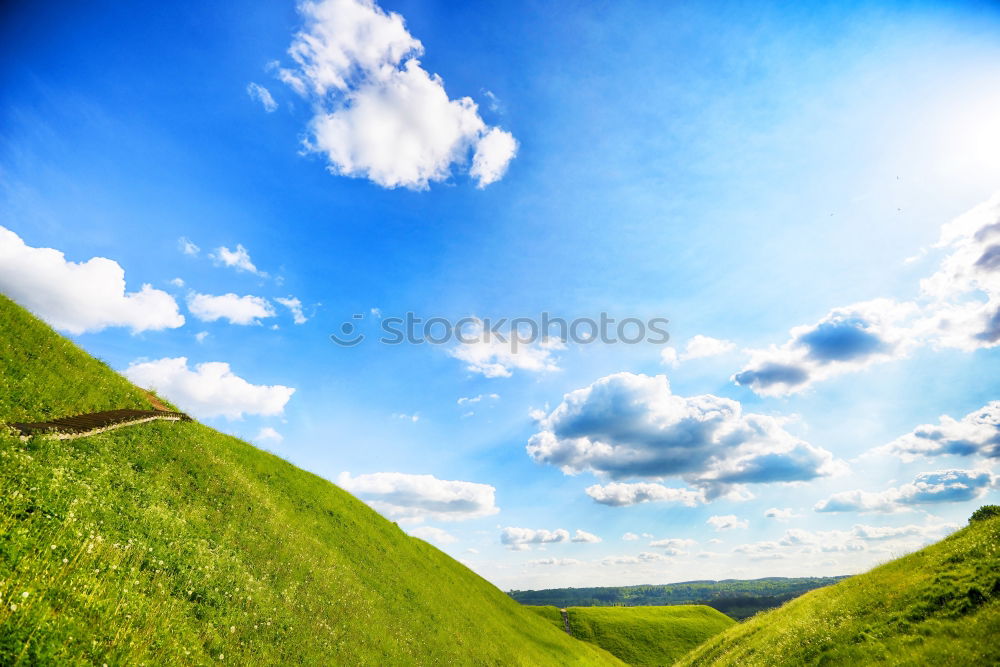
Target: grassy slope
643,635
940,605
171,542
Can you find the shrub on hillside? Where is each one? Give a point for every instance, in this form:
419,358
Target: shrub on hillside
985,512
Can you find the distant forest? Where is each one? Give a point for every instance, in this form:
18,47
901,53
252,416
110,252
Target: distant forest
737,598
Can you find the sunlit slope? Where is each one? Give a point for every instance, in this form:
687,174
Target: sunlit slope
642,635
170,542
940,605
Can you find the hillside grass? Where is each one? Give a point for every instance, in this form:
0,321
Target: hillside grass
642,635
938,606
169,543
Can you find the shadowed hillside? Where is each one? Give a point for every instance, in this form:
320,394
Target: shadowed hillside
170,542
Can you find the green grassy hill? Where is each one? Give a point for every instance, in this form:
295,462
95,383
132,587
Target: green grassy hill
736,598
642,635
173,543
938,606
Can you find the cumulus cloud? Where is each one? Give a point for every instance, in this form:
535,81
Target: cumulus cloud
643,558
726,522
560,562
585,537
267,435
433,534
630,537
622,494
631,426
522,539
467,400
847,339
238,259
187,247
294,306
80,296
673,546
958,307
417,497
977,433
965,289
940,486
885,539
236,309
263,95
498,356
697,347
378,113
210,390
779,514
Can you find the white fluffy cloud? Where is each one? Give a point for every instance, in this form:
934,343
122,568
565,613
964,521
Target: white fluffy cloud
959,307
187,247
379,114
642,558
560,562
522,539
940,486
977,433
263,95
268,435
80,296
433,534
885,539
237,309
623,494
726,522
466,400
632,426
294,306
585,537
238,259
697,347
210,390
779,514
673,546
847,339
498,356
417,497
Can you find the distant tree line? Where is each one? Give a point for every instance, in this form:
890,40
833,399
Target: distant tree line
737,598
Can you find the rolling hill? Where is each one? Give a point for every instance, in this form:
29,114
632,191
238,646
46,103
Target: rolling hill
170,543
937,606
736,598
642,635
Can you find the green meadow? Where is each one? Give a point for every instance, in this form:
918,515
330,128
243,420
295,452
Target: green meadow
642,635
173,543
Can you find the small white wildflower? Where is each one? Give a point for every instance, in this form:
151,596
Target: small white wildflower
25,594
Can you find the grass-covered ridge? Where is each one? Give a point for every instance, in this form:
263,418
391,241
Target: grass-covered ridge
940,605
642,635
172,543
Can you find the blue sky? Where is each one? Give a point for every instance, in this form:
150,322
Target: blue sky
745,172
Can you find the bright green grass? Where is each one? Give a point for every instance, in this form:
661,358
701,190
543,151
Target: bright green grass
170,543
938,606
642,635
43,376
